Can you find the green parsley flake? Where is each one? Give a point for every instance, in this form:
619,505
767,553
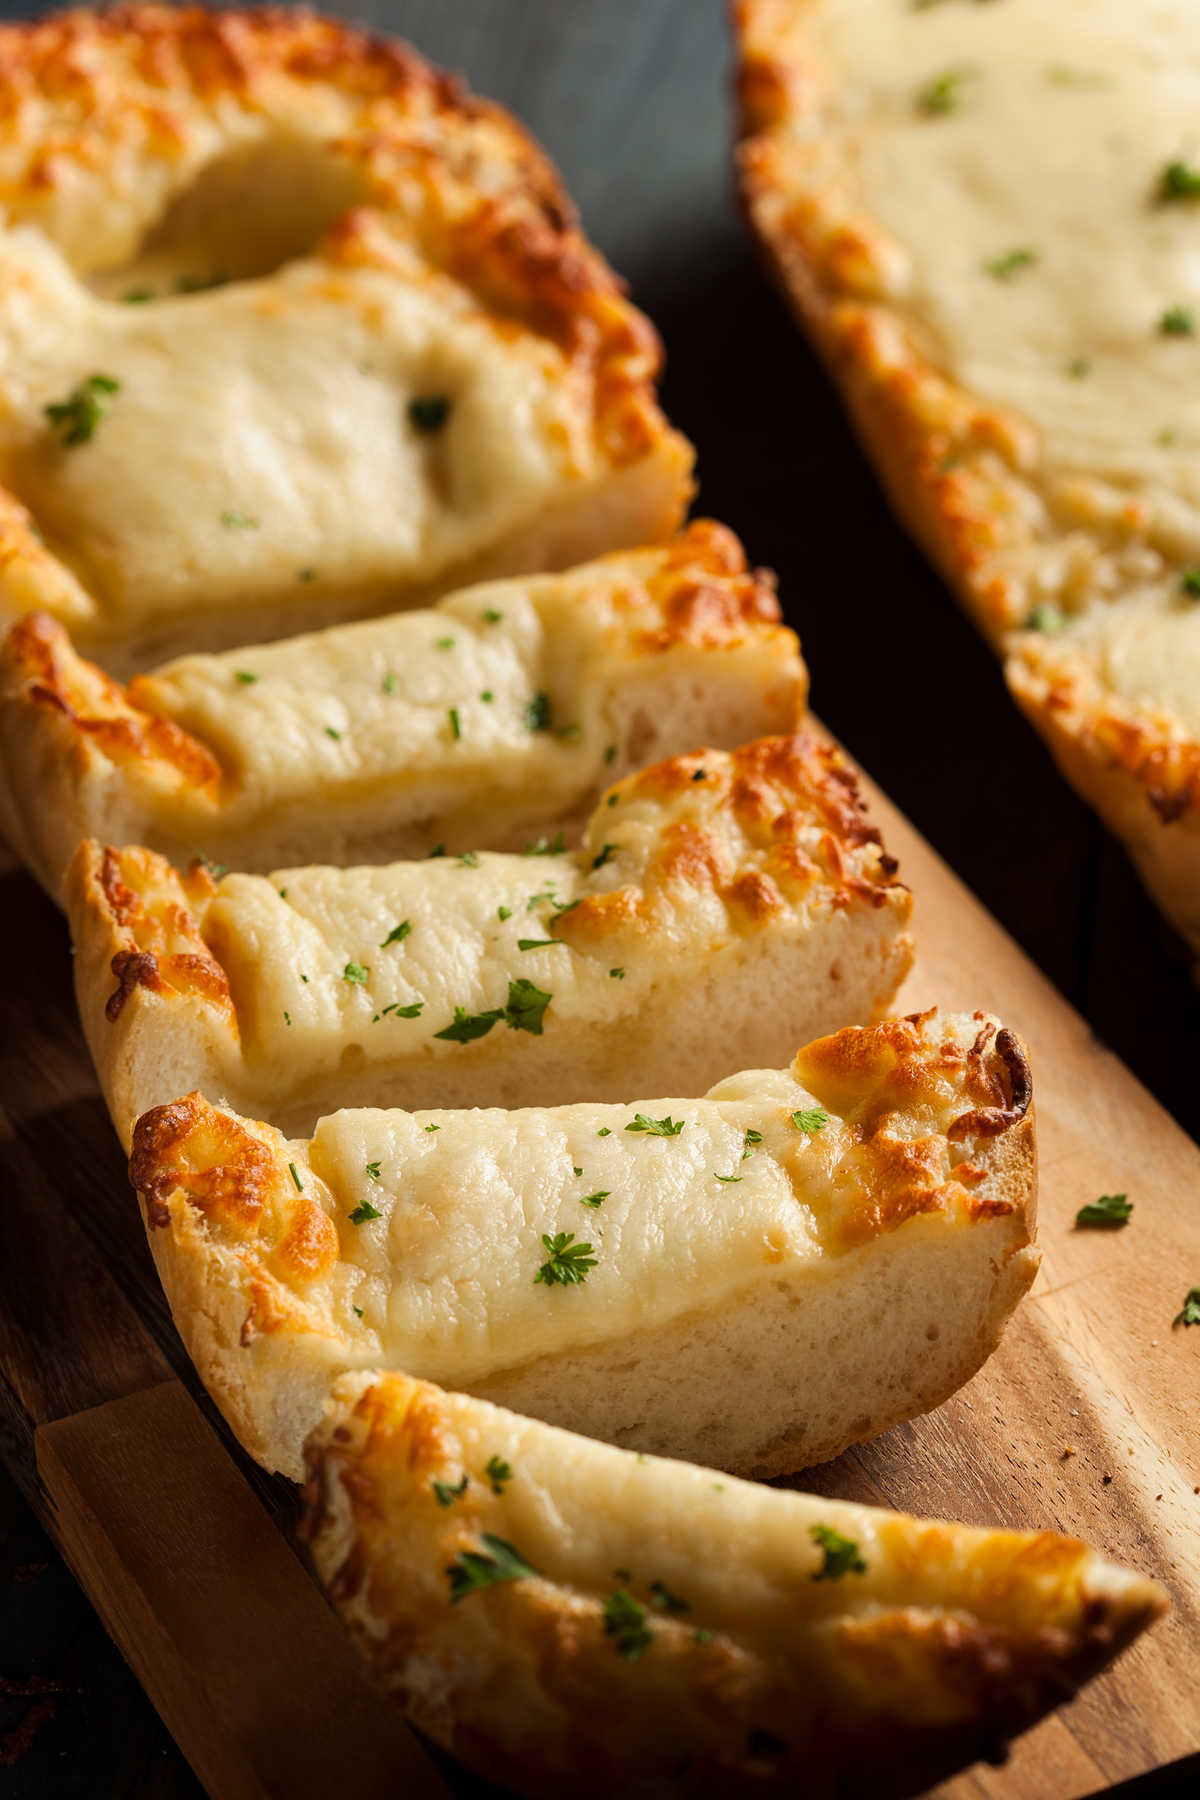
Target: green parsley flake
503,912
616,974
841,1554
702,1635
595,1200
942,95
1191,1309
287,1018
445,1494
665,1600
331,731
700,775
443,643
355,974
1189,582
524,1011
544,846
428,412
1004,267
373,1170
540,943
1178,321
363,1212
245,676
604,1131
497,1561
537,713
1078,367
487,695
610,753
567,1263
625,1621
468,858
239,521
306,575
438,850
81,412
1179,182
455,723
389,683
358,1312
397,934
399,1012
606,853
498,1472
137,296
667,1127
750,1142
1045,618
813,1120
1109,1209
433,1128
729,1178
491,615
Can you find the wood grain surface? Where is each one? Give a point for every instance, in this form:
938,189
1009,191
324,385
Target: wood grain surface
630,97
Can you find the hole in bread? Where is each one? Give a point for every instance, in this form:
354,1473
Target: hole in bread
244,215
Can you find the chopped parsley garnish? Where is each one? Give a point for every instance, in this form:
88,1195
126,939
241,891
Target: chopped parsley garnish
428,412
610,753
1180,182
576,1170
239,521
455,723
1178,321
373,1170
503,912
1109,1209
433,1128
397,934
526,1007
355,974
81,412
492,615
700,775
287,1018
389,683
612,800
663,1598
497,1561
363,1212
1191,1309
306,575
841,1554
468,858
487,695
729,1178
446,1493
544,846
567,1263
604,1131
1045,618
537,713
606,852
1189,581
245,676
1078,367
358,1312
399,1012
812,1120
596,1199
539,943
438,850
702,1635
1004,267
616,974
625,1621
331,731
750,1142
497,1472
292,1171
137,296
942,94
443,643
667,1127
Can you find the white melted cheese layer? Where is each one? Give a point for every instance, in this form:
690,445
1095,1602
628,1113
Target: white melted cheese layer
261,430
446,1274
1066,119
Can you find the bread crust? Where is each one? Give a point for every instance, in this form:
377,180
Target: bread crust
659,648
921,1197
751,1674
967,478
748,886
112,114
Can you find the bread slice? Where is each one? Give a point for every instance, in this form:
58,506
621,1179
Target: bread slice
758,1278
985,218
292,328
723,907
495,718
568,1618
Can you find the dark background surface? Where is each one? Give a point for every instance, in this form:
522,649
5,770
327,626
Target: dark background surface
631,98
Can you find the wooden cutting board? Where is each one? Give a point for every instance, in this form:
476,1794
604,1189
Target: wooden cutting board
1087,1419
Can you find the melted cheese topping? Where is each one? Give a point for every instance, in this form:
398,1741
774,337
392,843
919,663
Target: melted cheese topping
261,432
446,1275
1066,119
1143,650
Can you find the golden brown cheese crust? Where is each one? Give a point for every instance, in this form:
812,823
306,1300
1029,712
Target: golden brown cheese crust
947,1642
152,910
967,477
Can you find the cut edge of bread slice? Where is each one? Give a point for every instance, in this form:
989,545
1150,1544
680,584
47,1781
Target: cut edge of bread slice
868,1284
567,1616
961,474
